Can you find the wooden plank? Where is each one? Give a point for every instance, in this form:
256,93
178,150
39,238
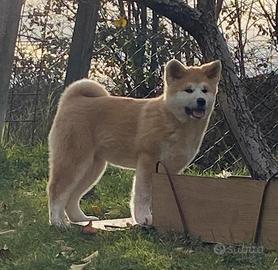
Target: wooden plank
110,224
216,210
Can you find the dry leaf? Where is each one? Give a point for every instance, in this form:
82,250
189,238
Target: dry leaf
90,257
20,222
184,251
8,231
5,253
113,214
224,174
61,242
120,22
78,266
21,216
66,251
96,210
129,225
88,229
3,206
86,261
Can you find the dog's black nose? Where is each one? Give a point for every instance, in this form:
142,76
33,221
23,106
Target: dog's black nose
201,102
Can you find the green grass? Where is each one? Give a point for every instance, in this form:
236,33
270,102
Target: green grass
36,245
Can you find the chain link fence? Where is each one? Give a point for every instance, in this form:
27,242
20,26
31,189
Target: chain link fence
129,53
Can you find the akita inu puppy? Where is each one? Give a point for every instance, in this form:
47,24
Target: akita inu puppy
92,128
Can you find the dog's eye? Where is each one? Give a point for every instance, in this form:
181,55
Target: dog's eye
205,90
188,90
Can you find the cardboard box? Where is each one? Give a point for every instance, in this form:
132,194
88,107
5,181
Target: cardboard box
217,210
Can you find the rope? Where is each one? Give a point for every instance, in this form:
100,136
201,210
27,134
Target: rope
174,193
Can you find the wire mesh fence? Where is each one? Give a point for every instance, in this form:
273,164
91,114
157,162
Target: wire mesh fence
131,47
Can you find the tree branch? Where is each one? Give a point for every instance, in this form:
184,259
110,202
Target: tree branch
267,15
177,11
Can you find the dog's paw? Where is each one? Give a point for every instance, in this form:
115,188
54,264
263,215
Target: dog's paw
60,224
91,218
83,219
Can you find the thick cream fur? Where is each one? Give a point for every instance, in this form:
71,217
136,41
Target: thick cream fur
92,128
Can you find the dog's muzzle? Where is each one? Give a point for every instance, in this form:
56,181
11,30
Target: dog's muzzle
197,113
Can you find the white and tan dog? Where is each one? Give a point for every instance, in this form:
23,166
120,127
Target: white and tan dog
92,128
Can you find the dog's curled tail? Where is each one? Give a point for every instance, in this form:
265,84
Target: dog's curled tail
85,88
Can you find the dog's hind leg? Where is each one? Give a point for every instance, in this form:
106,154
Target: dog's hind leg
65,175
90,179
59,188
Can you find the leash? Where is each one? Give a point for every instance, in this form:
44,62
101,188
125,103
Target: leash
171,182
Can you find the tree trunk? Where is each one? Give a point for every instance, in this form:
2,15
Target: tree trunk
202,26
9,22
82,41
138,59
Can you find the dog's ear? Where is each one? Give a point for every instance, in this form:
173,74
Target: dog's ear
212,70
174,70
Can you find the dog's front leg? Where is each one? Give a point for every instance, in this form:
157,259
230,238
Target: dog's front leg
141,191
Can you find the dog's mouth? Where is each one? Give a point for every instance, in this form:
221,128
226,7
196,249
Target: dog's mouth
197,113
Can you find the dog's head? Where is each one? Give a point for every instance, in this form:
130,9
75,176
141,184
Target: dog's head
190,91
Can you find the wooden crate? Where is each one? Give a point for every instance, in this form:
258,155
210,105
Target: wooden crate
216,209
